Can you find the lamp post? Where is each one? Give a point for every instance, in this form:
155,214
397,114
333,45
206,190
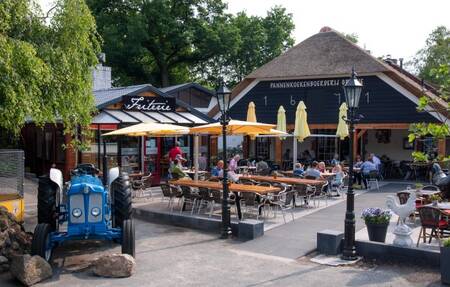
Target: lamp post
223,98
352,91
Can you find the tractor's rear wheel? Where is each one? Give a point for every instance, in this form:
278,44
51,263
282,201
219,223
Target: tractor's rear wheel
41,241
121,192
47,205
128,238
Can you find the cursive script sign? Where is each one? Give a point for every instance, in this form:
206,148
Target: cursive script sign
148,104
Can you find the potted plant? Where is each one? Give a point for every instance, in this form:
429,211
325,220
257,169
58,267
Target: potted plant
419,187
435,198
377,222
445,261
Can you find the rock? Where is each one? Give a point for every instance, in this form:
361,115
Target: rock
13,238
3,260
30,269
115,265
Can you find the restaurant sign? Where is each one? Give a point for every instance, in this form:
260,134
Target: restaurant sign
148,104
310,83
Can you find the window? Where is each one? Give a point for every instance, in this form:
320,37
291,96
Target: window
263,148
91,155
326,147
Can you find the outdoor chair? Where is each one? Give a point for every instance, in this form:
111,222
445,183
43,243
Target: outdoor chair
336,186
205,198
189,196
431,218
320,193
214,179
263,183
264,172
251,201
373,177
431,187
140,186
217,198
167,193
304,193
246,181
283,201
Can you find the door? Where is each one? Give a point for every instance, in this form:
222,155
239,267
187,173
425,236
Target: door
152,159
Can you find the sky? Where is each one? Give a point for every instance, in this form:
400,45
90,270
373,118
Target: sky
385,27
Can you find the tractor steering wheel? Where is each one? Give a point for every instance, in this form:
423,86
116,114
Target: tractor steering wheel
85,168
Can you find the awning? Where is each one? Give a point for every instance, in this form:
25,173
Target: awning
135,117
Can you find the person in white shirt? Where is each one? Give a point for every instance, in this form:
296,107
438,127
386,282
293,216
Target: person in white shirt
376,161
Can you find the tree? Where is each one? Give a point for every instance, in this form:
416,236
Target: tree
435,53
440,105
171,41
46,68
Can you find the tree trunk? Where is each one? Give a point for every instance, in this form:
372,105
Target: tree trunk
164,72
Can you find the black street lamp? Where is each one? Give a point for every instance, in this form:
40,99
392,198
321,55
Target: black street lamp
352,90
223,98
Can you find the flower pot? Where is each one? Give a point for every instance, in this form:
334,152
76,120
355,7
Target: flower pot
377,232
445,265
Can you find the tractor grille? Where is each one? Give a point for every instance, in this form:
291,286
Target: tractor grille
77,201
95,200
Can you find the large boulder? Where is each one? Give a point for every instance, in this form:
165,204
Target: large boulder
13,238
114,265
30,269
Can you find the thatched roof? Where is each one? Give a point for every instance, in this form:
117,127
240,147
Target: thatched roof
323,54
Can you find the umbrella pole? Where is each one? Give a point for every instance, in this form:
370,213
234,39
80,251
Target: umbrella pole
294,152
196,157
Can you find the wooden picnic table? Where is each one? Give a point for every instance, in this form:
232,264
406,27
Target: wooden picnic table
323,174
233,187
285,180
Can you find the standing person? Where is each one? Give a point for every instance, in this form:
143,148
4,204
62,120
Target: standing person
287,154
202,162
217,171
234,163
358,163
175,151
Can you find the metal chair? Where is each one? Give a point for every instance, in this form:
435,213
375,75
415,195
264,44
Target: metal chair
252,201
431,187
141,185
205,198
373,177
320,194
283,201
189,196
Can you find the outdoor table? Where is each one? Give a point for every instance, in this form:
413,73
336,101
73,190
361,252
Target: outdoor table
232,187
285,180
245,168
443,206
323,174
427,192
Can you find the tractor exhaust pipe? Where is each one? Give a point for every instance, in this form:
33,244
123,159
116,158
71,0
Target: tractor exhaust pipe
105,164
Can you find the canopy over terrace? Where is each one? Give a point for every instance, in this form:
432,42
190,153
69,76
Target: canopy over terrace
151,129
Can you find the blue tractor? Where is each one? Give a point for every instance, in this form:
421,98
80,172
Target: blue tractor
85,208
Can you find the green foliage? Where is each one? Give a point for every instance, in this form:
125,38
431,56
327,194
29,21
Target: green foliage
435,197
436,53
168,41
45,67
419,156
446,243
352,37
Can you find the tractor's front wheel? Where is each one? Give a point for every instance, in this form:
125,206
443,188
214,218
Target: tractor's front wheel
47,205
41,241
121,192
128,239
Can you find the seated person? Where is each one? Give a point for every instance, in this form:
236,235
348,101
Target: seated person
298,169
335,160
313,170
217,171
177,170
339,177
233,177
261,165
366,168
321,166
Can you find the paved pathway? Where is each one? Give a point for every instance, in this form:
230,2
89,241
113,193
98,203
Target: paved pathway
298,238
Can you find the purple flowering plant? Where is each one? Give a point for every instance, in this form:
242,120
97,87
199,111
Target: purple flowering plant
375,215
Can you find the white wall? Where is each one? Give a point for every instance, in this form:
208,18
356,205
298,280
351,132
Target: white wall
394,149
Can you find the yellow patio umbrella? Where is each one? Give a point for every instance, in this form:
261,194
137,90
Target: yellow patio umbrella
342,129
150,129
234,128
281,120
301,124
251,117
